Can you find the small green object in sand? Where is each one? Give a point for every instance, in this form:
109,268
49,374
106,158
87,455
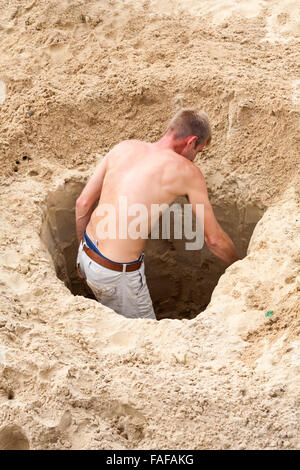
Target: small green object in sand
269,313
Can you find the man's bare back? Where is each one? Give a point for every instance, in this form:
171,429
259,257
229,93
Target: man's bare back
144,174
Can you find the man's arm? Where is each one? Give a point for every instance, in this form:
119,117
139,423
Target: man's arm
88,197
216,239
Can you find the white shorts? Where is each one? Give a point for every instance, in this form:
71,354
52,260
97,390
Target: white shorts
126,293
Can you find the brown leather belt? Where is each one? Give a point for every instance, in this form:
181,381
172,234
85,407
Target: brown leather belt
110,264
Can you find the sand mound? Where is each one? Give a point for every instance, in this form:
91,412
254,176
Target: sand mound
215,372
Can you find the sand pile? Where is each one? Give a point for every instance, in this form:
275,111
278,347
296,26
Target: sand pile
215,372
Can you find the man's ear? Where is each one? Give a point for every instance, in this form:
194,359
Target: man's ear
192,140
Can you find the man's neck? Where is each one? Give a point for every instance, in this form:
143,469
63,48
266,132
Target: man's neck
168,143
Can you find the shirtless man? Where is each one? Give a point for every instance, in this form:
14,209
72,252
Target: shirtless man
146,173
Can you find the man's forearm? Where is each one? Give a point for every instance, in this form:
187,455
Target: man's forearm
224,249
81,224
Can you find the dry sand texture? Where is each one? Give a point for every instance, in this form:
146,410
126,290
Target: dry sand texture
75,78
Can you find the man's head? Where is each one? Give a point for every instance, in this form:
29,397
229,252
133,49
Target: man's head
190,131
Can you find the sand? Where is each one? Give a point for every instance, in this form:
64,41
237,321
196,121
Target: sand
75,78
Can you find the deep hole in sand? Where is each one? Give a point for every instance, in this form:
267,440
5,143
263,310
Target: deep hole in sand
12,437
181,282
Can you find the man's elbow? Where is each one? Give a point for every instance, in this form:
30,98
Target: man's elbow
213,241
82,206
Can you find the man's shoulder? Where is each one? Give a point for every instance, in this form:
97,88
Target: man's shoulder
189,169
191,176
129,142
122,148
126,146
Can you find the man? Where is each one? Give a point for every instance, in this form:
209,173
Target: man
143,173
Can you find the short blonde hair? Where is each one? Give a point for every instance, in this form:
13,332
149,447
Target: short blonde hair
191,122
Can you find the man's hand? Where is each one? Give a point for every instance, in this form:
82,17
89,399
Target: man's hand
216,239
79,272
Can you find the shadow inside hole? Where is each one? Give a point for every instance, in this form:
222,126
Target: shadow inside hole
180,281
59,235
13,437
